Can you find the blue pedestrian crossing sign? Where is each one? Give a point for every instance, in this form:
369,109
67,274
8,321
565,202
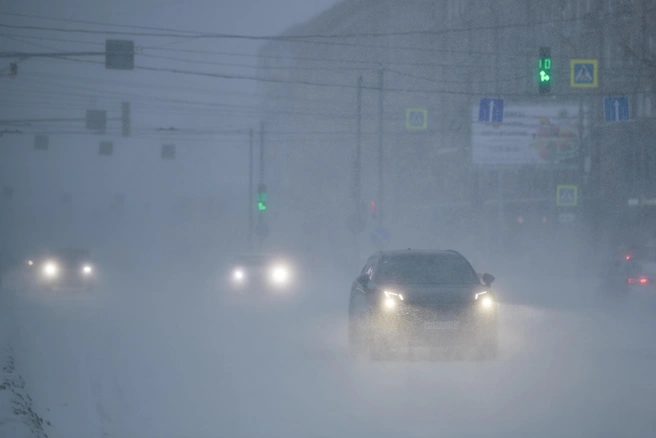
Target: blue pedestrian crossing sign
616,108
416,118
490,110
583,73
380,237
566,195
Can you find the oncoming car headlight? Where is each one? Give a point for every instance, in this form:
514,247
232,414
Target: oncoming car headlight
279,274
391,299
87,270
238,275
50,269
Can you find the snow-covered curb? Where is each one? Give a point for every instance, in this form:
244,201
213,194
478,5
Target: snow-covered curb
17,418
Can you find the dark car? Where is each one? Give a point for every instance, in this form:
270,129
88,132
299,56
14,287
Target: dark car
260,272
63,269
413,298
630,276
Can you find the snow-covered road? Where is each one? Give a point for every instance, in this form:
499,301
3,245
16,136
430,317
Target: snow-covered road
175,358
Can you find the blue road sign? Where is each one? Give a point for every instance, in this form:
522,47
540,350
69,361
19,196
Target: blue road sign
491,110
584,73
380,236
616,108
566,195
416,118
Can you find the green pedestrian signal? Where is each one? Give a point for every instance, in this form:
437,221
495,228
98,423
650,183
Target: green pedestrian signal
544,67
261,198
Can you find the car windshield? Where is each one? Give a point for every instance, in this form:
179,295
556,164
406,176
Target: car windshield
426,269
252,261
645,267
72,255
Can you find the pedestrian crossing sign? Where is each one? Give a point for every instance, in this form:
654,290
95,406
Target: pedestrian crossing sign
566,195
584,73
416,118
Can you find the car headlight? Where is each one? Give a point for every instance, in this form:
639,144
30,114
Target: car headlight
485,299
30,262
279,274
50,269
238,275
87,270
391,299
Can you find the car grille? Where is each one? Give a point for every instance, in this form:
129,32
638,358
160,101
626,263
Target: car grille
421,314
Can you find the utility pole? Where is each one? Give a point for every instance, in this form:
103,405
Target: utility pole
356,171
250,189
261,152
261,224
380,206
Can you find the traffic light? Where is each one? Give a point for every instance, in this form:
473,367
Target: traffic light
544,66
261,198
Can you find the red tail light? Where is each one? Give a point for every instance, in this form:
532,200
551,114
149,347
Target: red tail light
641,280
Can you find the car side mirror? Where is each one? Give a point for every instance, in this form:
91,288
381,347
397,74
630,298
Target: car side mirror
363,279
488,279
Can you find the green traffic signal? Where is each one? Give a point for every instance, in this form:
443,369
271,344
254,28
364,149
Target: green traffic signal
544,67
261,198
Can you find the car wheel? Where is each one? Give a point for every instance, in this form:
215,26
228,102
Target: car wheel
356,339
379,352
489,350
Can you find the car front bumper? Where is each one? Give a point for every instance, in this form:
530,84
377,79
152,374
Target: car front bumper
438,326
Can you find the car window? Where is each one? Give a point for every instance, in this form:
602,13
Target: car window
253,261
426,269
640,267
369,267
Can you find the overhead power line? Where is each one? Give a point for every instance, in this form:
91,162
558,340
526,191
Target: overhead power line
322,39
183,33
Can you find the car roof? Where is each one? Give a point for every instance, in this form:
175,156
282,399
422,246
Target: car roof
254,257
70,252
419,252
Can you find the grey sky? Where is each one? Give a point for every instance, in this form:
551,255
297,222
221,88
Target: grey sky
52,88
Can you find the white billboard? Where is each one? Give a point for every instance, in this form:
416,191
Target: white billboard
529,134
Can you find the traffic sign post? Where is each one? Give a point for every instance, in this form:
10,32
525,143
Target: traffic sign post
616,108
566,195
583,73
490,110
416,119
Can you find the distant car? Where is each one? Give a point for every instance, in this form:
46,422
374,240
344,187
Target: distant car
261,273
630,276
63,269
407,298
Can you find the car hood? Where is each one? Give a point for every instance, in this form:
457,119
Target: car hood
436,295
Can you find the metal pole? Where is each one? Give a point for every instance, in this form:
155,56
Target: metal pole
260,216
261,152
250,189
357,170
501,219
381,152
